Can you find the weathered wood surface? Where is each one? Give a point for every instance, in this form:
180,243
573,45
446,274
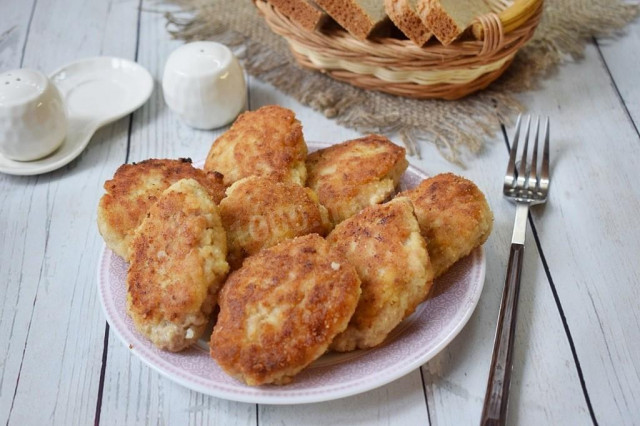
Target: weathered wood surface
578,334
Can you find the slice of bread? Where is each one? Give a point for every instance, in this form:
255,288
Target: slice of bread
447,19
359,17
404,16
305,13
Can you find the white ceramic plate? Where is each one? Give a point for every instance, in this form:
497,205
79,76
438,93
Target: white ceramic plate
414,342
97,91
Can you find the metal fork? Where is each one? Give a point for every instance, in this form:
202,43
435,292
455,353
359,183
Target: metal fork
524,186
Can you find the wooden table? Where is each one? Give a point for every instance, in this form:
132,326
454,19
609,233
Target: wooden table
577,358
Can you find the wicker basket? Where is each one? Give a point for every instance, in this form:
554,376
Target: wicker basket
399,67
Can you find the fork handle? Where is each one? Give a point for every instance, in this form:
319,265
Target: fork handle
496,397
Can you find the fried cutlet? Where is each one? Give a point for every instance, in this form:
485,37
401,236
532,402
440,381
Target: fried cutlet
354,174
384,244
454,218
177,266
281,309
259,212
265,142
135,187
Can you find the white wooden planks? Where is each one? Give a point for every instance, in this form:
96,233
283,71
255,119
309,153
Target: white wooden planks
133,393
14,27
590,235
14,303
456,378
622,59
52,328
51,373
401,402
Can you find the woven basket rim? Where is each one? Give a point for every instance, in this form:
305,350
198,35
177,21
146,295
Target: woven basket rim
361,62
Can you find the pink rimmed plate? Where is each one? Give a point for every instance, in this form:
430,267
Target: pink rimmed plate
414,342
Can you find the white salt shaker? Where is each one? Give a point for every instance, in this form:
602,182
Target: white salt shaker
33,116
204,84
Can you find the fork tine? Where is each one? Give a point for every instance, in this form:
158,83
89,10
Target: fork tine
509,177
544,173
532,182
522,178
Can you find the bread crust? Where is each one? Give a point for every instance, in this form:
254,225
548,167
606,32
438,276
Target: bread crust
302,12
446,19
407,20
353,17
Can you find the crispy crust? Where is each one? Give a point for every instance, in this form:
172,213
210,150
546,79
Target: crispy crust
266,142
354,174
133,190
407,21
436,19
177,266
351,16
303,12
384,243
444,21
454,218
259,212
280,311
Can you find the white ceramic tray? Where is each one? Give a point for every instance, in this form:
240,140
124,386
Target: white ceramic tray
96,91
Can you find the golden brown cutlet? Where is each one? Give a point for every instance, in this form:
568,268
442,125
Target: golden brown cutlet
266,142
281,309
177,266
454,218
259,212
354,174
384,244
135,187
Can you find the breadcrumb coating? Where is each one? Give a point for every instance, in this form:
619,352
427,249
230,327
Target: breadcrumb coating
281,310
384,244
454,218
135,187
354,174
265,142
178,263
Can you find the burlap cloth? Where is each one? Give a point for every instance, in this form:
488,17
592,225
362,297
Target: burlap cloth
458,128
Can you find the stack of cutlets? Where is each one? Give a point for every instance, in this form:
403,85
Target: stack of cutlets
302,253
